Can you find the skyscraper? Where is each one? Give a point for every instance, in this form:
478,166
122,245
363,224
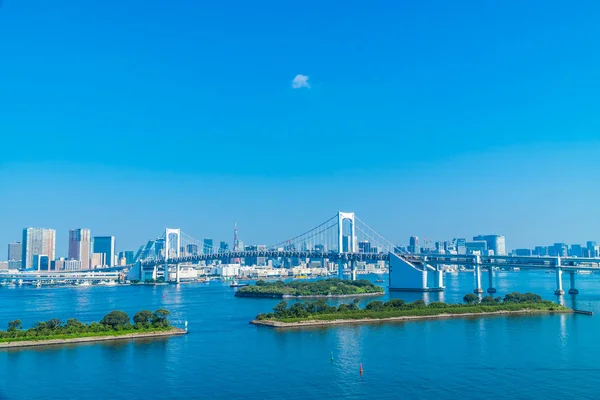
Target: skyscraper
80,246
37,241
15,251
413,246
208,246
105,245
496,244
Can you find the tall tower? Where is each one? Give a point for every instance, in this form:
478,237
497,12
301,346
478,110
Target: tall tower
37,241
80,246
235,237
236,243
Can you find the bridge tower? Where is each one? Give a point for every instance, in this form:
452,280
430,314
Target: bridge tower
169,233
352,246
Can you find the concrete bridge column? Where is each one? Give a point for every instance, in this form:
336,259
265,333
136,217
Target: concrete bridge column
353,268
341,268
491,288
478,288
177,273
572,290
559,288
439,277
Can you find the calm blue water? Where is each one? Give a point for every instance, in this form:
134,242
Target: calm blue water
224,357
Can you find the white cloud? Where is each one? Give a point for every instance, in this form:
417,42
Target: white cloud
300,81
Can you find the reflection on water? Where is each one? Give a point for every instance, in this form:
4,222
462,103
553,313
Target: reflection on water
226,357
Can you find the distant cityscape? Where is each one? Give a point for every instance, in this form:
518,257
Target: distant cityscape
37,250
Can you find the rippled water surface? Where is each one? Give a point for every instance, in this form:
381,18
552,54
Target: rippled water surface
526,357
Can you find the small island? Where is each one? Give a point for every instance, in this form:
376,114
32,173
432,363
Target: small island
115,325
320,313
322,288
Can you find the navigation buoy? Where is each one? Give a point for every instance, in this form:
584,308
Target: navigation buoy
331,356
361,369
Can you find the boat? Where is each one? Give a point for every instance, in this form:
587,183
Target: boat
379,280
236,284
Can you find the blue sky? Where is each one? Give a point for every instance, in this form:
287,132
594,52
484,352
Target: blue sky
433,118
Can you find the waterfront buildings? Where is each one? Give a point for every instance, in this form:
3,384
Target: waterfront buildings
496,244
105,245
37,241
15,251
80,246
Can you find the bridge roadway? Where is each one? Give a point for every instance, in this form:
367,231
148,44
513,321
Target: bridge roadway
531,262
311,254
544,262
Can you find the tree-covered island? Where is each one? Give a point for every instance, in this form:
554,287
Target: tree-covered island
320,313
322,288
114,324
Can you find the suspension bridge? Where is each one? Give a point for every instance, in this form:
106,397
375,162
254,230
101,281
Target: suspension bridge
342,240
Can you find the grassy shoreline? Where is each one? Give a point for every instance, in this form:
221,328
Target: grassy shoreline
11,343
366,320
321,313
332,287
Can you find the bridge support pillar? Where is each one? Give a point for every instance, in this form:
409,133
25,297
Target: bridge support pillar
572,290
177,273
439,278
478,288
353,268
491,288
559,287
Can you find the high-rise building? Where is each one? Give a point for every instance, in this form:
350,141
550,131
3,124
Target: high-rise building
592,248
540,251
346,243
477,247
364,247
41,262
15,251
223,247
208,246
560,249
127,256
192,249
105,245
413,246
98,260
37,241
496,244
80,246
576,250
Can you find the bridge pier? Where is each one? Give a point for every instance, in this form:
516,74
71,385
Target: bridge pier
439,275
478,288
491,288
353,269
572,290
559,288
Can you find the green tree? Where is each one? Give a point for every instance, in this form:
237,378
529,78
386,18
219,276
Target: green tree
394,303
15,325
376,305
115,320
53,323
160,317
143,317
488,300
470,298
